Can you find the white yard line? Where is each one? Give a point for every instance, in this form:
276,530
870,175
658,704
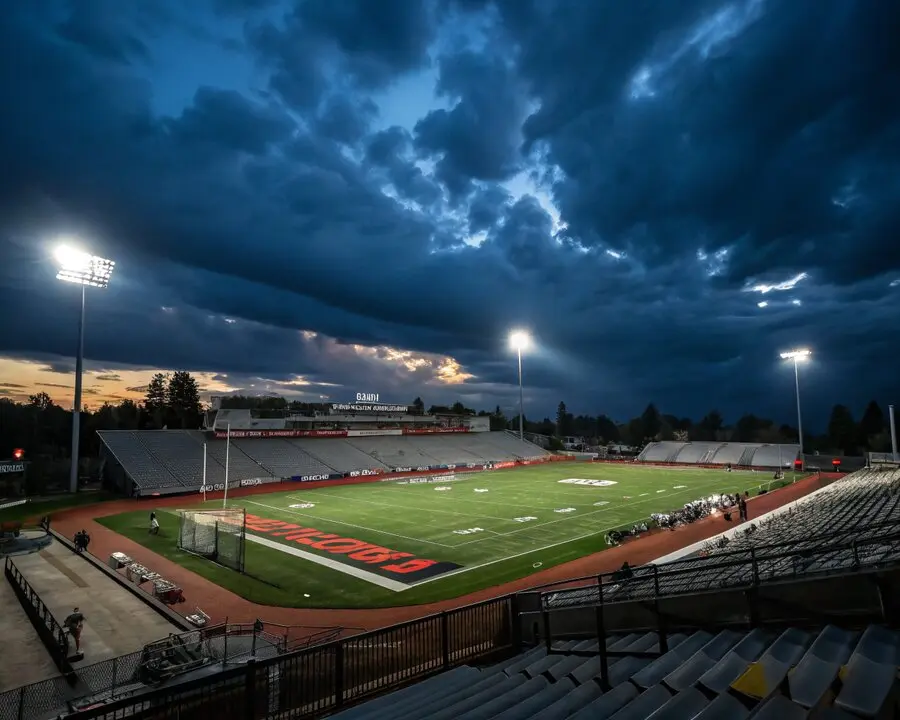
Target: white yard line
605,508
407,507
329,563
341,522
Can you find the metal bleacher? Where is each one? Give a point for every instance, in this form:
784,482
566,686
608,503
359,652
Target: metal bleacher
726,675
171,461
756,455
852,523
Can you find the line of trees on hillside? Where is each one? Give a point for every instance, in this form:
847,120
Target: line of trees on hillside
172,400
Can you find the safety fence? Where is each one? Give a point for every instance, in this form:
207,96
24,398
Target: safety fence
256,681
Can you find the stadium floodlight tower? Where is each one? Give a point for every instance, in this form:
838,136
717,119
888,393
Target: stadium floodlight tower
520,340
797,356
80,268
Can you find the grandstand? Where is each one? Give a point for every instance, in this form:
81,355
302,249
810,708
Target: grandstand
758,456
171,461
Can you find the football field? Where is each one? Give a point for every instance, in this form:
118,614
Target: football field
408,541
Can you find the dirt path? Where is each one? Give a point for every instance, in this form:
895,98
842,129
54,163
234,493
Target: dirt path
220,603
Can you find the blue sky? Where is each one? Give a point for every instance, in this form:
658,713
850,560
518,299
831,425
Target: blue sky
317,198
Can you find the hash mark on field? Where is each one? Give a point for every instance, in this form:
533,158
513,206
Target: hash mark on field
570,518
408,507
341,522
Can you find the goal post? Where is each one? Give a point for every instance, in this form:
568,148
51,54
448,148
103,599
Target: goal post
217,535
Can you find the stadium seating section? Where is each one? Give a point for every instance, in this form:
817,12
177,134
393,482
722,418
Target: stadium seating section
854,522
171,461
751,455
703,675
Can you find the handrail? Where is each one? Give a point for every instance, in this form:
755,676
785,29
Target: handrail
726,553
47,626
751,559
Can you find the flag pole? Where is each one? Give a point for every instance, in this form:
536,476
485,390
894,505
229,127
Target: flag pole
204,472
227,462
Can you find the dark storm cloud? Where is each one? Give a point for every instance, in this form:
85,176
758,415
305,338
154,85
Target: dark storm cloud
691,148
479,138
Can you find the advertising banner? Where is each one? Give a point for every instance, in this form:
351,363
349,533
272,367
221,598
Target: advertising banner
431,431
318,478
372,433
243,434
363,473
11,466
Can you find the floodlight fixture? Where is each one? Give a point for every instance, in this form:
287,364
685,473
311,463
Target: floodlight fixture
85,270
520,340
798,355
81,268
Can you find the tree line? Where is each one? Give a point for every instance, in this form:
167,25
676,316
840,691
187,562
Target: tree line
172,400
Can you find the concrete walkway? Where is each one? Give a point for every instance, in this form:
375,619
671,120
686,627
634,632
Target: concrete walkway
116,622
26,660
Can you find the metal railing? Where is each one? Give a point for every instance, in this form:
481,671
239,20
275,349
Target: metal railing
728,569
224,644
47,626
305,683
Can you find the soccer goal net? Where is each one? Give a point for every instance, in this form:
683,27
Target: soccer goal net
217,535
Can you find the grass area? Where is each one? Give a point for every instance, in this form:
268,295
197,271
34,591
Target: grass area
33,510
496,526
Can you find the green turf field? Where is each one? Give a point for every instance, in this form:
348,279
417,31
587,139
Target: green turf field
396,543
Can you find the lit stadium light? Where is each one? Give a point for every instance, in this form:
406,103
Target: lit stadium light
81,268
85,270
797,356
519,340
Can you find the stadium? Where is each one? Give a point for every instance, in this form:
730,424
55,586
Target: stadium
370,560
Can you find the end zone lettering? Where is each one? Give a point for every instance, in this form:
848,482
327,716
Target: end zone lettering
402,566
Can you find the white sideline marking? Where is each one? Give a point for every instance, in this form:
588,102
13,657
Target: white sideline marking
329,563
341,522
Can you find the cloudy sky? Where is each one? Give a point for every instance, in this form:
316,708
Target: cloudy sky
319,197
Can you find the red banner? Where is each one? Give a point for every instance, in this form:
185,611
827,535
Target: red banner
241,434
431,431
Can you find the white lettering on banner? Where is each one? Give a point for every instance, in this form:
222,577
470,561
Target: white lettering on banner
303,506
469,531
527,518
250,482
212,488
367,397
451,467
401,469
356,407
422,468
591,483
12,467
471,466
564,510
314,478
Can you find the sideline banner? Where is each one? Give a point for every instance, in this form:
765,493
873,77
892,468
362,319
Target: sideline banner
242,434
318,478
372,433
432,431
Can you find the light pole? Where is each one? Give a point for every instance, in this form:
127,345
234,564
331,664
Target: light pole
797,356
86,270
520,340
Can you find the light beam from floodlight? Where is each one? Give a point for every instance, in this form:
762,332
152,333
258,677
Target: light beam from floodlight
520,340
797,356
80,268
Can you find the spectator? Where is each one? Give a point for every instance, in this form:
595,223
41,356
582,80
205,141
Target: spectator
154,524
